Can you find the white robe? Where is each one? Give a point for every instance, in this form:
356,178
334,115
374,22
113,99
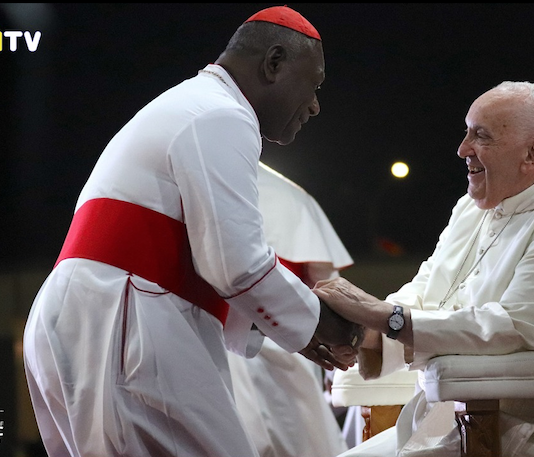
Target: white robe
281,395
149,375
492,312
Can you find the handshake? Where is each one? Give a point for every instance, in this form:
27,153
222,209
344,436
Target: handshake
335,342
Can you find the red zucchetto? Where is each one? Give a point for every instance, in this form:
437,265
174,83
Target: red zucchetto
286,17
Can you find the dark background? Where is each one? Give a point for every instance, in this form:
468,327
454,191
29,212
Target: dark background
400,79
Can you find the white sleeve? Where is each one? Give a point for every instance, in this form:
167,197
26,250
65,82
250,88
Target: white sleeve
215,161
496,310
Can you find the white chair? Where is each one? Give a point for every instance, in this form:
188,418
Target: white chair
477,383
349,388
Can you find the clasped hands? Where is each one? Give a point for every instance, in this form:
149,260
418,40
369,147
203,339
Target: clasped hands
335,342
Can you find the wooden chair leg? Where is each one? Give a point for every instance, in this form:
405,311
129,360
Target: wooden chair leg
478,423
379,418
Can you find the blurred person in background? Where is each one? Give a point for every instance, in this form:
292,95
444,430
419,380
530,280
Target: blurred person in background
282,395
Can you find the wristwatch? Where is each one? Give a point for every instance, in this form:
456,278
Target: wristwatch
395,322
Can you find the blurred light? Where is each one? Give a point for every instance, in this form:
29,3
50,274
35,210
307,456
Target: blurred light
399,170
390,247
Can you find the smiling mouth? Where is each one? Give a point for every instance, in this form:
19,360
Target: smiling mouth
475,170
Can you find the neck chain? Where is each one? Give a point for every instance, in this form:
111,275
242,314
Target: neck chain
452,291
217,75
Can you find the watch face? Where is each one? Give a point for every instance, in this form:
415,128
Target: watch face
396,322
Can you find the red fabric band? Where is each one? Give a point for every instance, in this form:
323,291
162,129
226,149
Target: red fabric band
297,268
143,242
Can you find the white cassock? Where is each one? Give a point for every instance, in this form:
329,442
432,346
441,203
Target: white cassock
491,312
279,394
125,349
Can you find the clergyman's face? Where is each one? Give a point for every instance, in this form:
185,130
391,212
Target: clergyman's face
495,148
295,97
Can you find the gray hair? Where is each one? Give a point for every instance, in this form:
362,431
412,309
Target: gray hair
525,91
517,87
257,36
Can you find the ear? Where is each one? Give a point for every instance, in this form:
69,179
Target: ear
273,62
528,162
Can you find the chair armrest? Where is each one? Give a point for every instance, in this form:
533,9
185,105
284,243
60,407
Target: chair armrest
350,389
480,377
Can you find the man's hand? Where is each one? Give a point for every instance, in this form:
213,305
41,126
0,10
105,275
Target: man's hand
329,358
356,305
336,341
334,330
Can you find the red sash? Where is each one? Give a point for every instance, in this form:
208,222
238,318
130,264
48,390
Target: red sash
143,242
297,268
